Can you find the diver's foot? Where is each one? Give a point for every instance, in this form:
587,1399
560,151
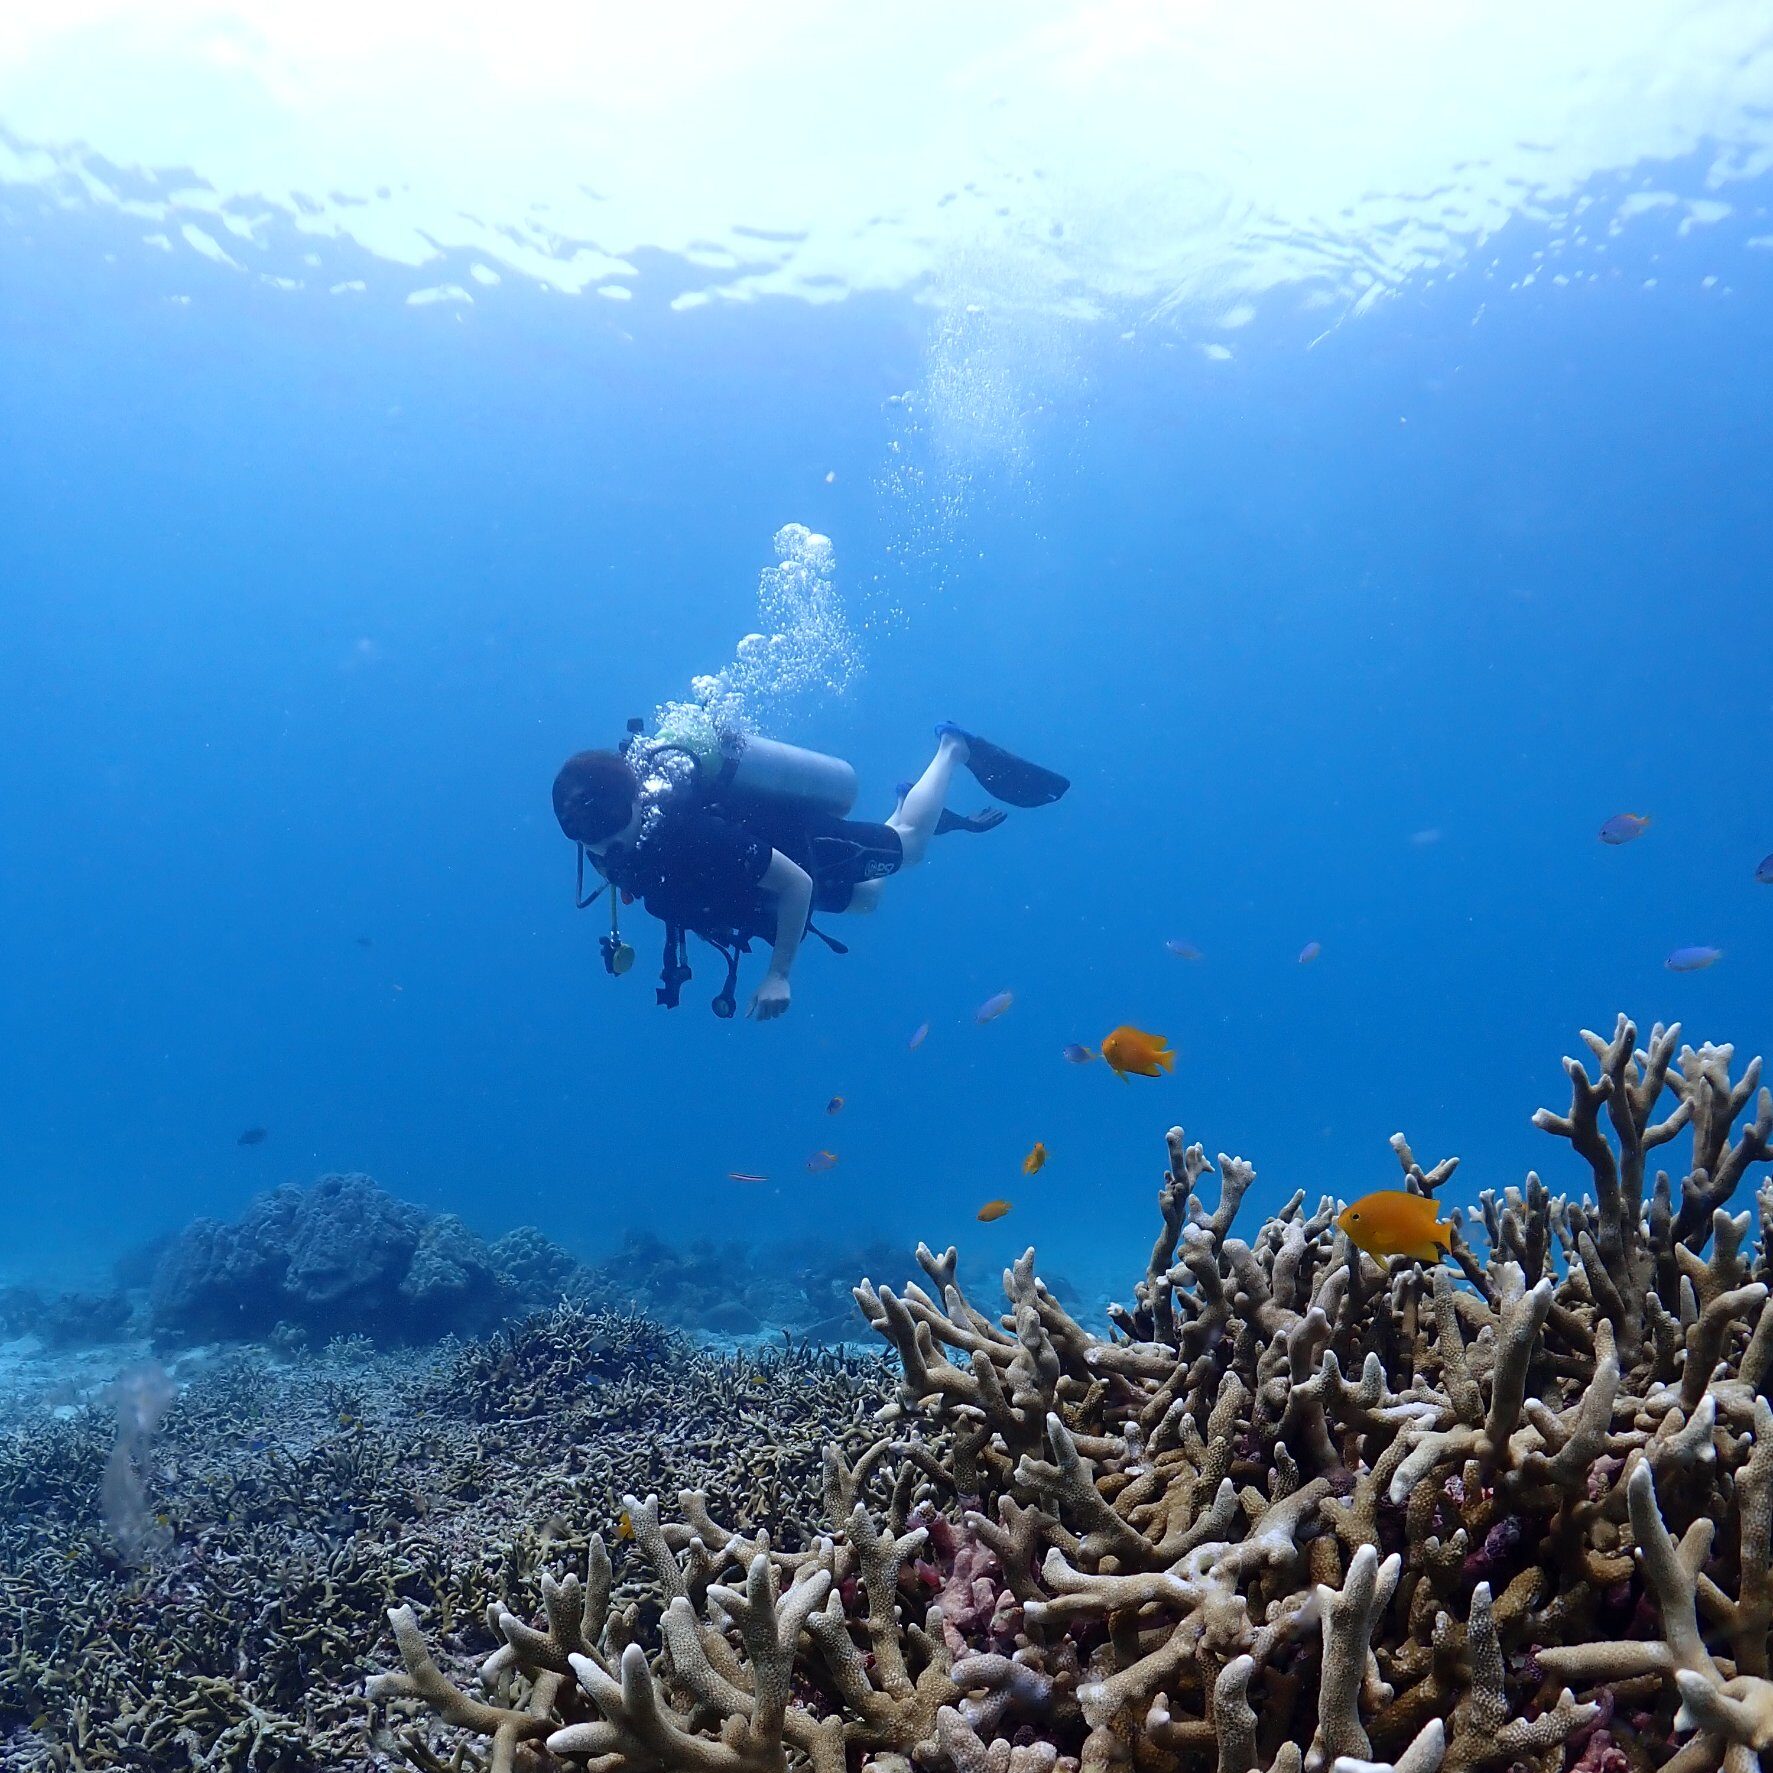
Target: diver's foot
1002,774
947,733
987,818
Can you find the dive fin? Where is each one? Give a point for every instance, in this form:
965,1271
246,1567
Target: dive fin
986,819
1006,777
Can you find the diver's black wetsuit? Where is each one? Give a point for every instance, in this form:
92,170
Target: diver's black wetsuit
703,868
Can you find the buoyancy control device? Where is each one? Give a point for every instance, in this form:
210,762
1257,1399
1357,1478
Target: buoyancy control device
737,770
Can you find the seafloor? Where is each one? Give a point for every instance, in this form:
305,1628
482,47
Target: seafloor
1300,1508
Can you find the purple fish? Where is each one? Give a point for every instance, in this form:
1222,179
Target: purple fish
1076,1054
1184,950
1764,873
1623,827
1310,952
919,1035
1693,960
993,1007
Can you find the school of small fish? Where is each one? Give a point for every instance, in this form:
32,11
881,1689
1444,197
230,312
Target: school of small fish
1387,1223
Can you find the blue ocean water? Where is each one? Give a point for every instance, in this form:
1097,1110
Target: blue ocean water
1352,627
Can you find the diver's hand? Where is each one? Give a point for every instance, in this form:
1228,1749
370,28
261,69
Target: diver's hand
770,999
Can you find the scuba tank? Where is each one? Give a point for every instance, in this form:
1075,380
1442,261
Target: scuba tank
723,768
766,769
746,767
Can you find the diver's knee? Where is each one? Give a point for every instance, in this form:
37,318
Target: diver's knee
913,843
865,897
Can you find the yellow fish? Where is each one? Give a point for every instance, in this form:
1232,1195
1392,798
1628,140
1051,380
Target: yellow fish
1393,1223
624,1525
1035,1159
993,1209
1133,1050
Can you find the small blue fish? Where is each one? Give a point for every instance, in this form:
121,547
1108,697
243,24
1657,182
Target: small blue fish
1310,952
1076,1054
1764,873
1623,827
1693,960
822,1160
1184,950
919,1035
993,1007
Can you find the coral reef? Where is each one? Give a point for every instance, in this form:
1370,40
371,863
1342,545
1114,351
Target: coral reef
288,1506
344,1256
66,1319
704,1285
1301,1510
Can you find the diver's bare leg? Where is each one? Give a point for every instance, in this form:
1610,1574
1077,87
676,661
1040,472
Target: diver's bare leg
915,821
865,897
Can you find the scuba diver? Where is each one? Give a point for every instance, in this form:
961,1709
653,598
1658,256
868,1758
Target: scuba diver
744,838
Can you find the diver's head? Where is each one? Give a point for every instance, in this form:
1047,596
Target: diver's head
594,796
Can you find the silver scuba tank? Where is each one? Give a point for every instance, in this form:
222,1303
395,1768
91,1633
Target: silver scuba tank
767,769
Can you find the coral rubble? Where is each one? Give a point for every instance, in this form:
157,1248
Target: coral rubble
1300,1510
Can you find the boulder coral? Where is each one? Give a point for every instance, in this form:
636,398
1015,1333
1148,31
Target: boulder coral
1299,1510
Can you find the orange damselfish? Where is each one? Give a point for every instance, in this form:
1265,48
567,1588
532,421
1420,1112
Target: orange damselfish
1035,1159
993,1209
1393,1223
1133,1050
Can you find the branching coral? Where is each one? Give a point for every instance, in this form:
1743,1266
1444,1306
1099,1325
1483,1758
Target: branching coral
1300,1511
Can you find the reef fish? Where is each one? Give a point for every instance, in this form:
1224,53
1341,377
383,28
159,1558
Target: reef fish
1133,1050
1393,1223
1076,1054
744,1176
1310,952
822,1160
1184,950
993,1209
253,1136
1693,960
1035,1161
919,1035
1623,827
993,1007
1764,871
835,1105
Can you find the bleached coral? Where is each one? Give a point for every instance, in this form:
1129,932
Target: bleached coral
1303,1510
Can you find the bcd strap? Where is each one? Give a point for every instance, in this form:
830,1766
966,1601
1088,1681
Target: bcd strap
676,968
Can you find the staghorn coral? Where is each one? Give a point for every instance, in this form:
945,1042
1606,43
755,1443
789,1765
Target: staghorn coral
1301,1510
295,1504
